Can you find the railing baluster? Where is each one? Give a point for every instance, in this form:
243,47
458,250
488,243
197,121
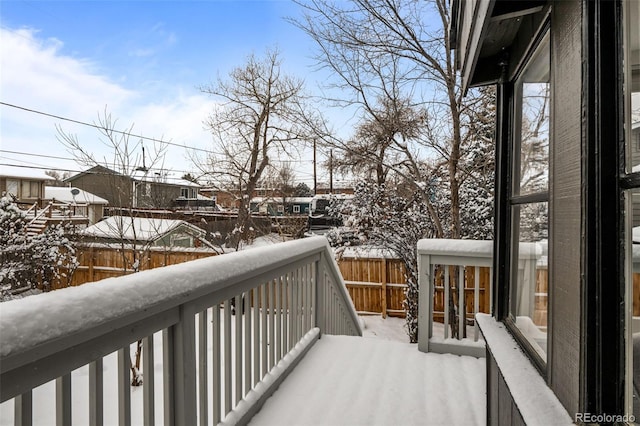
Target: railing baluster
168,375
304,301
247,340
279,318
314,294
216,376
203,398
446,301
238,350
148,386
124,386
462,324
96,393
286,308
256,336
23,406
227,357
272,328
263,327
291,309
310,295
295,310
476,300
63,400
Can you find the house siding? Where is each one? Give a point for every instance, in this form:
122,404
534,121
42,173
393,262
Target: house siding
566,203
501,408
113,188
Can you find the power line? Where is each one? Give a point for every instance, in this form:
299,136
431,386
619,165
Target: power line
83,123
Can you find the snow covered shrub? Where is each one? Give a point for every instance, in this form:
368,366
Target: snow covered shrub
394,219
31,261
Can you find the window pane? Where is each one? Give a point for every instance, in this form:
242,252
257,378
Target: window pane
529,273
632,201
12,187
633,283
633,86
532,90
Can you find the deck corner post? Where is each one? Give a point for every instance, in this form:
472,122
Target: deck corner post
425,301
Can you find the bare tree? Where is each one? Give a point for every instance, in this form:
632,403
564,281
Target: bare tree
397,50
128,159
263,113
57,177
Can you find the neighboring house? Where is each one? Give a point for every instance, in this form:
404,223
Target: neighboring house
24,184
140,191
77,201
279,206
105,183
146,231
578,61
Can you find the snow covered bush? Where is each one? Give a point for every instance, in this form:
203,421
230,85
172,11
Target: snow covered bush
394,219
31,261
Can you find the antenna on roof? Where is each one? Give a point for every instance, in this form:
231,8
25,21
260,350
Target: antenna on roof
144,166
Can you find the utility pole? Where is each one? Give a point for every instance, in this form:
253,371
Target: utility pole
315,176
330,171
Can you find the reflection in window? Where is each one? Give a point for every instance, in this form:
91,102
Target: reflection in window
532,121
528,298
530,272
12,187
632,197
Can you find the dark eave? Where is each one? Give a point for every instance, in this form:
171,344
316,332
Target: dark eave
482,32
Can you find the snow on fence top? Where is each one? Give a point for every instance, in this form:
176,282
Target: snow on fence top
34,320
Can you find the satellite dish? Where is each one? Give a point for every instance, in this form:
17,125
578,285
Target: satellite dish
74,192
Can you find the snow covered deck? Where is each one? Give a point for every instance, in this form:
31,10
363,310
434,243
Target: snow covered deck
346,380
219,337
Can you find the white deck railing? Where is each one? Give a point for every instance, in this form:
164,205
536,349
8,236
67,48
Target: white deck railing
453,269
214,366
441,266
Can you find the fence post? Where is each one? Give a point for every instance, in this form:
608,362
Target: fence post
383,298
91,262
320,309
425,302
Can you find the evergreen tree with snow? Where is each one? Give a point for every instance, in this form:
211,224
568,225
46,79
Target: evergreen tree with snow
392,218
31,261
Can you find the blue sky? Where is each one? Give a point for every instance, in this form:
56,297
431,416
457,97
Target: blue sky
142,60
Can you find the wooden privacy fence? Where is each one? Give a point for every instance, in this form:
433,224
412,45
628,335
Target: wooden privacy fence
376,284
100,262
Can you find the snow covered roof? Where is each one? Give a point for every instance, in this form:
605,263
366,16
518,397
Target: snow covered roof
136,228
95,170
23,173
151,178
64,195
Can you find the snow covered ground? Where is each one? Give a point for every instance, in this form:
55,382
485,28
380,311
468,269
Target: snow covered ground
377,380
349,381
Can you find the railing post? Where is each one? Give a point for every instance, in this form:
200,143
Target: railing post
320,310
425,301
184,369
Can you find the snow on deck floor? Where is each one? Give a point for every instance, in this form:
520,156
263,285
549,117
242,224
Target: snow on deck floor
366,381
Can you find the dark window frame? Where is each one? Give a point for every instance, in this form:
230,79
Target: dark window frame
603,383
506,200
